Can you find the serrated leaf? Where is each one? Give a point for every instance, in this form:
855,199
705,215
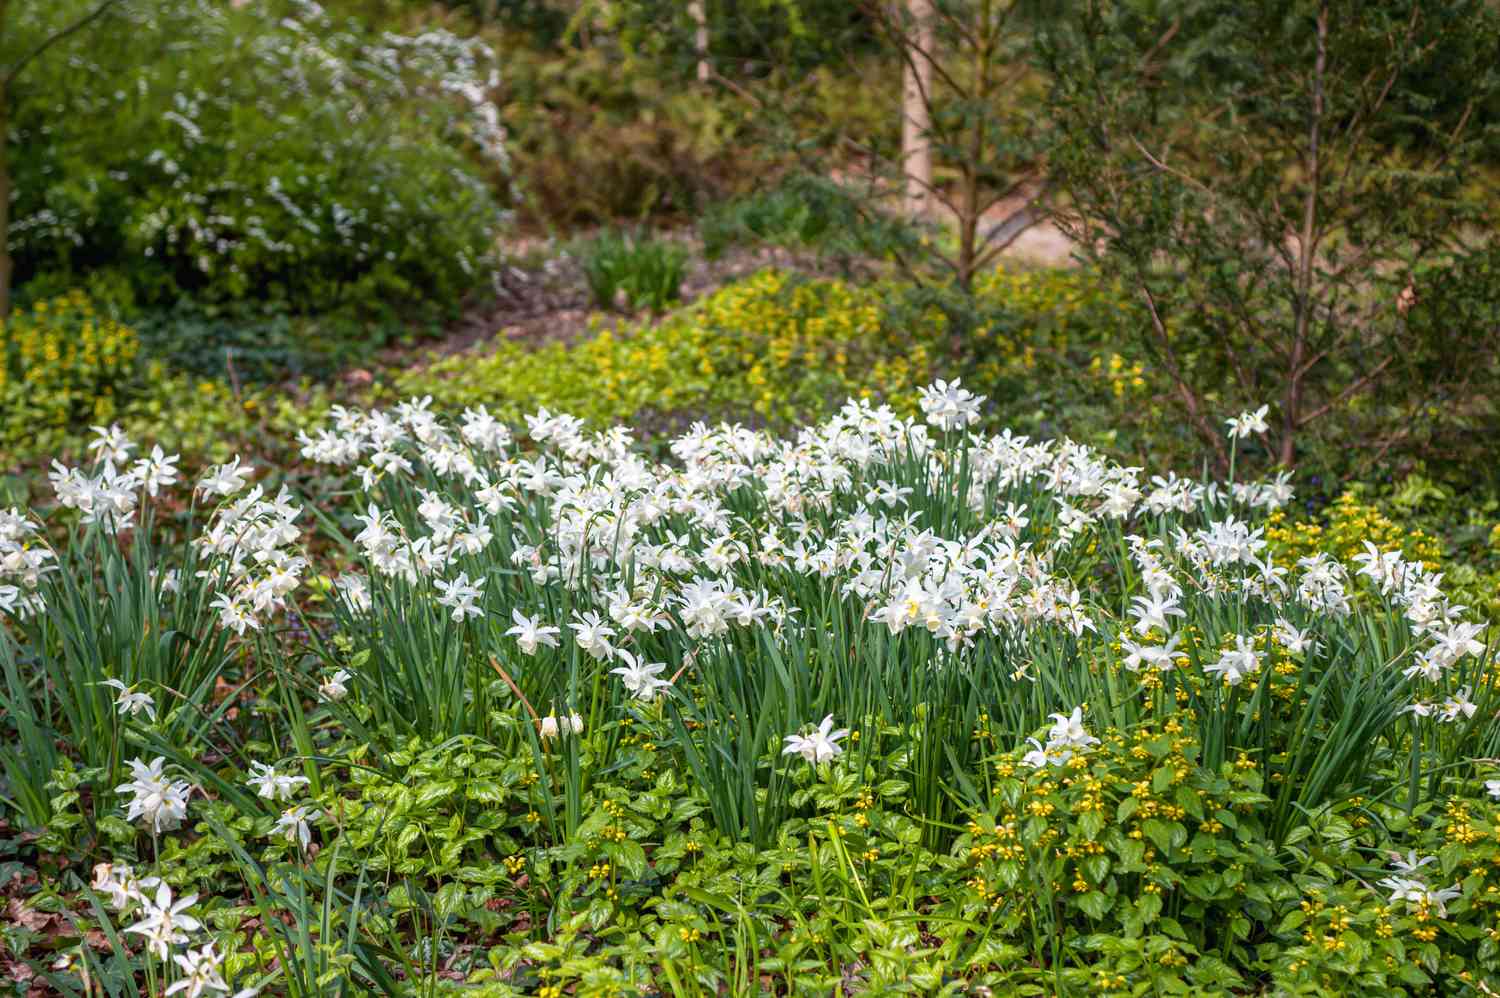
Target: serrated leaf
1159,832
485,791
1094,904
1096,868
629,857
1148,907
450,898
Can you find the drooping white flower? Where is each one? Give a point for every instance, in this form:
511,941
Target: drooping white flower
642,679
235,614
355,589
1458,705
1065,739
592,634
119,884
295,824
1037,757
1154,611
460,595
158,471
1289,637
335,687
272,785
1454,641
1409,886
110,444
165,923
1162,657
200,972
130,702
1236,663
704,606
530,633
1246,423
819,745
224,479
1068,731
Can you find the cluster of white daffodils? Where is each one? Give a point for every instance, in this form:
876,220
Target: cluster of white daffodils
1408,885
164,924
605,499
156,800
1418,592
253,548
1065,739
645,547
24,557
251,543
575,547
111,490
295,823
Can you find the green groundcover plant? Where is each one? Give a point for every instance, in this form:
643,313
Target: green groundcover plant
887,706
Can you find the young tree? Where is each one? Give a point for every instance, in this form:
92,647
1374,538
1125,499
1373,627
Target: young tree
966,151
699,16
916,117
28,28
971,140
1280,185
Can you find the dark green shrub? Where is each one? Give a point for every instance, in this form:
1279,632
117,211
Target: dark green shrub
593,142
633,271
255,344
1278,213
805,213
269,152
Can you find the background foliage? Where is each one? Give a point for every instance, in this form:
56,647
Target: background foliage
270,152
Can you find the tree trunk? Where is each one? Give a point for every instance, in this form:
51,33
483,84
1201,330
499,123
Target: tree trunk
5,260
1307,249
916,108
699,14
969,204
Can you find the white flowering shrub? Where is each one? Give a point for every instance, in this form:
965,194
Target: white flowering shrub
266,150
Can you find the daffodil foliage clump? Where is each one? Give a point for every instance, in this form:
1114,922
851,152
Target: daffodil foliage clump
888,706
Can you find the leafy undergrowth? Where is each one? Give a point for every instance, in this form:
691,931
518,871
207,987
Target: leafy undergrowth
888,707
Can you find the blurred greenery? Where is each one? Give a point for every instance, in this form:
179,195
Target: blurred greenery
633,271
256,152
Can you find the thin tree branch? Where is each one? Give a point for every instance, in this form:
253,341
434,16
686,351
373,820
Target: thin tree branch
1349,392
72,29
1190,400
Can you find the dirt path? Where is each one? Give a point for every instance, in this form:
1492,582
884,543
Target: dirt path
541,297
